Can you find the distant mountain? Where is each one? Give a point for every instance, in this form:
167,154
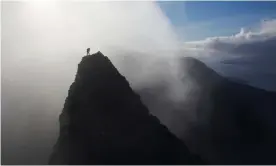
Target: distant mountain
224,121
104,122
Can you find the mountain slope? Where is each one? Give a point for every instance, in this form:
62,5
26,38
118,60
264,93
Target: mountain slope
234,123
241,122
105,122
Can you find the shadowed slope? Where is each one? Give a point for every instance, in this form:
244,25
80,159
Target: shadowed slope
223,121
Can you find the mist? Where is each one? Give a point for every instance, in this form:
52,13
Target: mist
42,43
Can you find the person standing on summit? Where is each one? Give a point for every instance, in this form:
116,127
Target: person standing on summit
88,51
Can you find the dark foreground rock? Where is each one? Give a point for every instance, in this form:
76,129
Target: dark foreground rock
105,122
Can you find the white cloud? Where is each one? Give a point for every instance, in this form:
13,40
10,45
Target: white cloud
42,43
248,55
266,33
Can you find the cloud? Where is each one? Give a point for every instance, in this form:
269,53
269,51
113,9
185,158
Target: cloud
248,55
244,42
42,43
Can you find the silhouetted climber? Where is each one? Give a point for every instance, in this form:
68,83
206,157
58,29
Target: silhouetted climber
88,51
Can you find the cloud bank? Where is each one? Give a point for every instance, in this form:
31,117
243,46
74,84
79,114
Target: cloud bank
245,42
248,55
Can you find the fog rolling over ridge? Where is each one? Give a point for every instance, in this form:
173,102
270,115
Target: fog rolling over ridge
42,43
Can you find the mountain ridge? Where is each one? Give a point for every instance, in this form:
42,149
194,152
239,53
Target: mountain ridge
222,121
105,122
228,116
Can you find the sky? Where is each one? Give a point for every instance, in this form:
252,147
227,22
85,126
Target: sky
239,36
42,43
196,20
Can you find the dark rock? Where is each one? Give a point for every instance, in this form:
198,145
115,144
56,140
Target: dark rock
105,122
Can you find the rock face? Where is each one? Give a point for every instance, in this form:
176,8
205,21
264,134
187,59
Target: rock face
105,122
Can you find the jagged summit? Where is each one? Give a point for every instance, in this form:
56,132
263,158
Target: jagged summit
96,62
105,122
